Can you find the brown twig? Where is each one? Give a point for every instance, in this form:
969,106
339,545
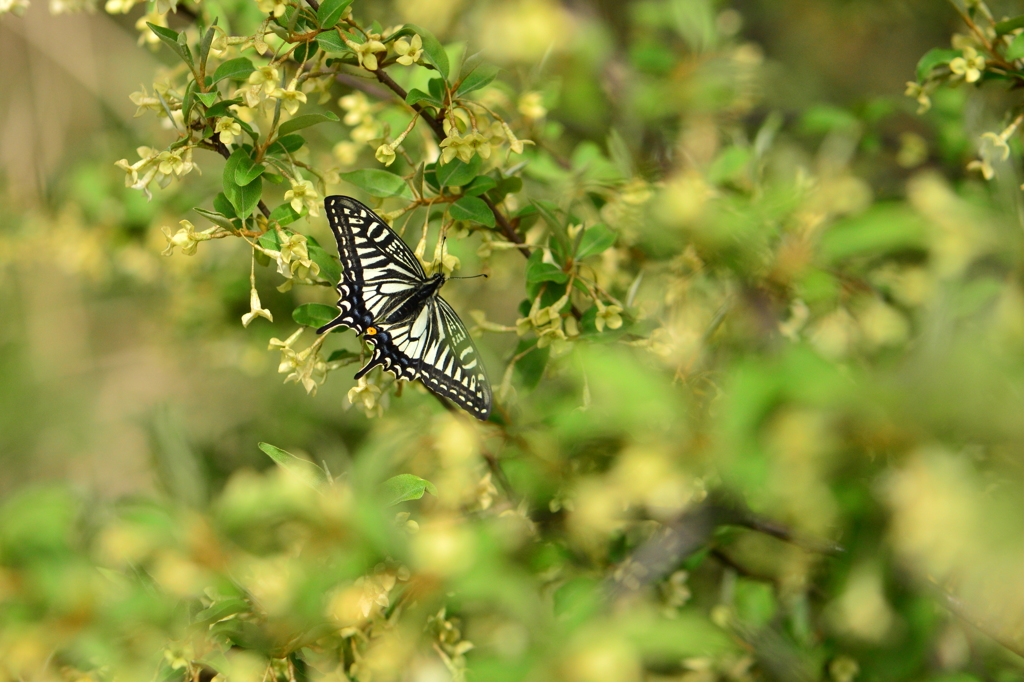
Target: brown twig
692,530
964,612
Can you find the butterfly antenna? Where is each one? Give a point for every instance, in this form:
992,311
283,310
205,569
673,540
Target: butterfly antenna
482,274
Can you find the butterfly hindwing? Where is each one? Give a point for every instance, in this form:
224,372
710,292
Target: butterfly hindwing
450,364
387,298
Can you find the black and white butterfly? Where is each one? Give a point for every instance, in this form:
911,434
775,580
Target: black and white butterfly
388,299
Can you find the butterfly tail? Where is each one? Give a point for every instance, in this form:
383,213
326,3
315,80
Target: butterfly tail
339,321
376,359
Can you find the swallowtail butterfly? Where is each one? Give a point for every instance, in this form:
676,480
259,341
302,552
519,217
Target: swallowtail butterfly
388,299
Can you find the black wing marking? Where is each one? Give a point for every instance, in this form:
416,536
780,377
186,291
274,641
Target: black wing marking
450,365
379,271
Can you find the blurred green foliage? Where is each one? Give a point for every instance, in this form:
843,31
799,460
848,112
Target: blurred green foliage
759,377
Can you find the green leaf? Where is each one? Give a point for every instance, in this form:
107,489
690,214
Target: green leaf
931,59
596,239
314,315
247,170
472,208
235,69
243,198
186,53
204,47
170,38
405,487
885,228
433,50
223,206
332,42
216,218
188,101
221,108
221,610
478,78
311,474
506,186
330,269
416,96
304,121
305,51
207,98
530,366
539,271
1004,27
379,183
286,145
330,12
1016,48
342,355
270,240
457,172
480,184
284,215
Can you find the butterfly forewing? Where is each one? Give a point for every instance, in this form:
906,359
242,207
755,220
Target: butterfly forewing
425,341
379,271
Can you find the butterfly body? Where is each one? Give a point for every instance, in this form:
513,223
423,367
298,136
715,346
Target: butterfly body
388,299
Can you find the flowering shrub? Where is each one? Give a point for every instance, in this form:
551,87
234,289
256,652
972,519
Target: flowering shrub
757,377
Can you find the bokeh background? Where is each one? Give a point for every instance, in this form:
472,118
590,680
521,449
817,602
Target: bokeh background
825,323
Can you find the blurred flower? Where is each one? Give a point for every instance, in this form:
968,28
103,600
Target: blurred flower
186,238
675,590
228,129
143,100
607,316
147,37
302,194
16,7
366,396
256,309
970,65
409,51
550,335
347,153
306,367
272,7
357,108
367,596
514,143
531,105
118,6
918,92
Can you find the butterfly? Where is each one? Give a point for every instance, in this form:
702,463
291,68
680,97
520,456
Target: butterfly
389,300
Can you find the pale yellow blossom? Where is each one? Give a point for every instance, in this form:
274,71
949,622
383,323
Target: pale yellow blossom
256,309
228,129
607,316
302,194
409,51
291,98
970,65
186,238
